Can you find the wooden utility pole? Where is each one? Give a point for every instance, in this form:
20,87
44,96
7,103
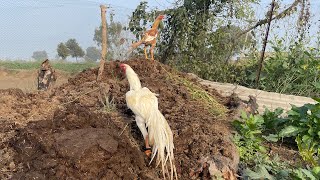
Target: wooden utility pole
104,41
265,43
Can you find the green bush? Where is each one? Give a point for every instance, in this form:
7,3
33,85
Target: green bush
254,161
289,69
303,125
292,70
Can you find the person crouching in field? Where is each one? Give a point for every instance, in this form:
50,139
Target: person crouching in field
46,76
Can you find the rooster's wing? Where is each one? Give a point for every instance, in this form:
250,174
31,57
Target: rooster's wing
142,102
150,35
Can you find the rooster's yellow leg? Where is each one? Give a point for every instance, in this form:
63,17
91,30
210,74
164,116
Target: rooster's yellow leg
145,52
147,141
148,148
142,126
151,51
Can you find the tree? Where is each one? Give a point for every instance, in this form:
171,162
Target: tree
92,54
74,49
185,34
114,40
63,51
40,55
223,39
114,30
193,32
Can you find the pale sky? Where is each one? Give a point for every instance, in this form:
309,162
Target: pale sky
33,25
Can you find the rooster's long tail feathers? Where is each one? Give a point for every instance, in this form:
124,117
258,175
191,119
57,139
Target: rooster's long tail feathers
160,135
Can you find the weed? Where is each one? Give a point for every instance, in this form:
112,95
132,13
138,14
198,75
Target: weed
249,136
108,104
199,93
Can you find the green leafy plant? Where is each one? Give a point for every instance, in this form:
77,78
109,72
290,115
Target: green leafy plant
267,168
307,150
303,125
255,162
253,130
302,173
249,136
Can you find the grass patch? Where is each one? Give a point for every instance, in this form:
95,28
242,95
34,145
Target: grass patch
108,102
20,65
74,67
63,66
199,93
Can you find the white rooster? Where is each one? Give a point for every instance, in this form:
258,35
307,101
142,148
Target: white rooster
144,105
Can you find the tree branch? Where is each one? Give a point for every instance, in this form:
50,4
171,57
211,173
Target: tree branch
279,16
265,44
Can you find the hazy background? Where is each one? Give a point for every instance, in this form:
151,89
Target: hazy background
35,25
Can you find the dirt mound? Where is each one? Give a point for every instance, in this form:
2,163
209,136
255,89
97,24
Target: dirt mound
83,129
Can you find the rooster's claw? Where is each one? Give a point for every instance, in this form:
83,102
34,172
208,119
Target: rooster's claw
148,151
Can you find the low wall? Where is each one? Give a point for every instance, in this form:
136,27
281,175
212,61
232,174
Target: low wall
270,100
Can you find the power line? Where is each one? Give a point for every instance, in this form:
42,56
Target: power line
46,4
58,4
159,4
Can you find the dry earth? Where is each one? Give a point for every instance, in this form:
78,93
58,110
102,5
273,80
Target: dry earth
68,132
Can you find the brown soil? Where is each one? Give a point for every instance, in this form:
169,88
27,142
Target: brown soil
287,152
68,132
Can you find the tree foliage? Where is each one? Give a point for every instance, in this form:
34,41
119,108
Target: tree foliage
190,37
114,39
40,55
201,36
92,54
74,49
63,51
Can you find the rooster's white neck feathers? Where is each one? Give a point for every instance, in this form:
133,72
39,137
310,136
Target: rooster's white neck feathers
133,79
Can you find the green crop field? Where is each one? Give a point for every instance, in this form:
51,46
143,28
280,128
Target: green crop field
64,66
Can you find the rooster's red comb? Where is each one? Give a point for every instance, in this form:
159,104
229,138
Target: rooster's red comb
161,16
123,67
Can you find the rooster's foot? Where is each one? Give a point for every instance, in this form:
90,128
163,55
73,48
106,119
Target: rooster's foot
148,151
